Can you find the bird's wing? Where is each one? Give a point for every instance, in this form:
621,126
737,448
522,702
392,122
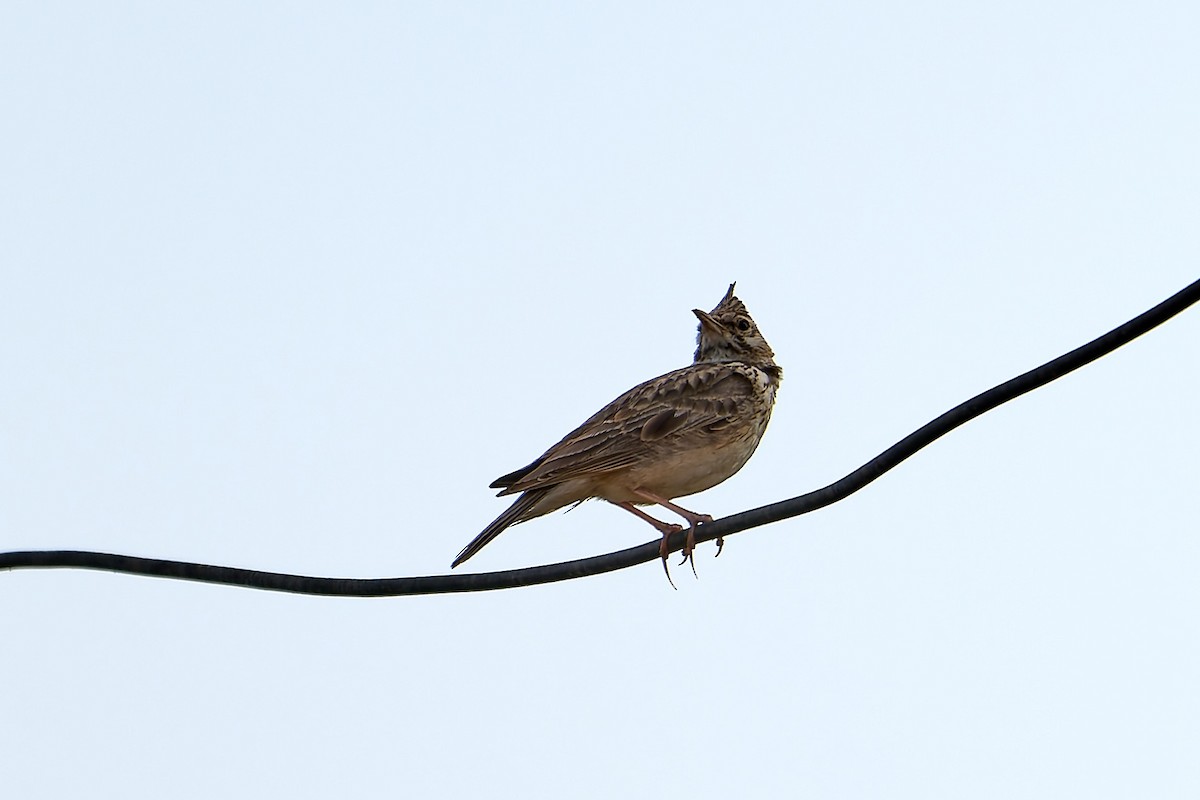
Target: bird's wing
696,399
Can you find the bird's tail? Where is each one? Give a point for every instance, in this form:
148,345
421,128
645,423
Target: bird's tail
512,515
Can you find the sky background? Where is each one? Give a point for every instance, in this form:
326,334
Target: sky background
286,286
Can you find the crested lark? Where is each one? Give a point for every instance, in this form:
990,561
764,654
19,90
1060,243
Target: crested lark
669,437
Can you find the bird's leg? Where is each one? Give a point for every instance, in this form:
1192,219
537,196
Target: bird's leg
692,518
665,528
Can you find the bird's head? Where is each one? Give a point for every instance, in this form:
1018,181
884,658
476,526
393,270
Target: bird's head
728,333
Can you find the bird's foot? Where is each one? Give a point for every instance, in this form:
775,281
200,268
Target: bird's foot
663,551
689,547
689,544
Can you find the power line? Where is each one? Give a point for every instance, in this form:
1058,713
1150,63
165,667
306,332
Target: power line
567,570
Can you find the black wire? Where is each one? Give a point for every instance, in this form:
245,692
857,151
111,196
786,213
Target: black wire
507,579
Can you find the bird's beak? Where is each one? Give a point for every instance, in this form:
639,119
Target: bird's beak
707,322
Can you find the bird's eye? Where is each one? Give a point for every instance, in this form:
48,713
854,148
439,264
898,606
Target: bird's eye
743,325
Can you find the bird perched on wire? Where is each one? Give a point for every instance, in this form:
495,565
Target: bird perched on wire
672,436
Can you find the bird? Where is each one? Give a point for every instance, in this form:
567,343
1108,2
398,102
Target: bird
669,437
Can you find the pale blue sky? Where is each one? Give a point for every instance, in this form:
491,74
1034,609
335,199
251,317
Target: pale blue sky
287,287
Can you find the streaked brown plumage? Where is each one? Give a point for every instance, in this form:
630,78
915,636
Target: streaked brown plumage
669,437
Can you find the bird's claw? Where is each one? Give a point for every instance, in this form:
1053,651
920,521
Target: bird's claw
689,546
663,552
